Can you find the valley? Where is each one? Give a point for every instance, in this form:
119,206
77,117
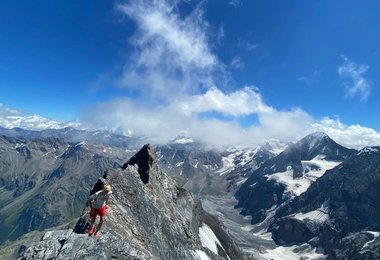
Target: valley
271,202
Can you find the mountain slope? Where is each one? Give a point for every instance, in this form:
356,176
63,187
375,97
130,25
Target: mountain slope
210,172
44,182
73,135
149,218
289,174
346,201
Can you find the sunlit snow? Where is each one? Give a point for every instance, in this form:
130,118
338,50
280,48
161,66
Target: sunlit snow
200,255
313,170
208,238
376,234
281,253
229,161
369,149
81,143
183,140
318,215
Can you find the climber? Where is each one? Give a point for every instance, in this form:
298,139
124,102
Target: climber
99,203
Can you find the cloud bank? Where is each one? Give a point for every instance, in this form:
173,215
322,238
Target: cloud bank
178,77
10,118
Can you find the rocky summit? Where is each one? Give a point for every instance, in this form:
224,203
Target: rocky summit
149,217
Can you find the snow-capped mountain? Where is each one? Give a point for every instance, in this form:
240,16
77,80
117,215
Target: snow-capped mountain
208,171
340,211
10,118
289,174
149,217
74,135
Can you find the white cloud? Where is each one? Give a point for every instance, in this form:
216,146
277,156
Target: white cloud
237,63
173,61
10,118
354,136
241,102
172,53
235,3
310,79
356,83
220,35
247,45
162,123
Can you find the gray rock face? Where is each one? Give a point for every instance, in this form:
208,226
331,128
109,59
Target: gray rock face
290,231
189,164
206,171
149,217
260,193
351,197
360,245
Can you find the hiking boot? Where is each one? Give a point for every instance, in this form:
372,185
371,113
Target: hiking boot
96,234
91,230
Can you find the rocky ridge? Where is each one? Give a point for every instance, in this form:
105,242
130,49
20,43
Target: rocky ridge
45,181
149,218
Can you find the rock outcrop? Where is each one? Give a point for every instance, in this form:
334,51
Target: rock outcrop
149,217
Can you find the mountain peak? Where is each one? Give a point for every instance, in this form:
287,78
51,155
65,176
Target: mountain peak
318,135
370,149
144,160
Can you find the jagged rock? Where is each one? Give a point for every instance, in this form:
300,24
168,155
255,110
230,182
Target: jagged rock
287,231
358,246
144,161
145,220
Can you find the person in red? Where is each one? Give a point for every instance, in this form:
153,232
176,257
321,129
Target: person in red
99,203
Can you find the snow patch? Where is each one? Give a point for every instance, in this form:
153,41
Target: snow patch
179,164
317,137
208,238
236,158
281,252
369,149
293,186
183,140
241,181
81,143
319,215
247,227
228,164
313,170
200,255
376,234
264,235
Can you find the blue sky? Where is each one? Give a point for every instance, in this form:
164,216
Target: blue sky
251,68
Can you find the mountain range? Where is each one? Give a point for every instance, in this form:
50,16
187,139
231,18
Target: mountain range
149,218
311,196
